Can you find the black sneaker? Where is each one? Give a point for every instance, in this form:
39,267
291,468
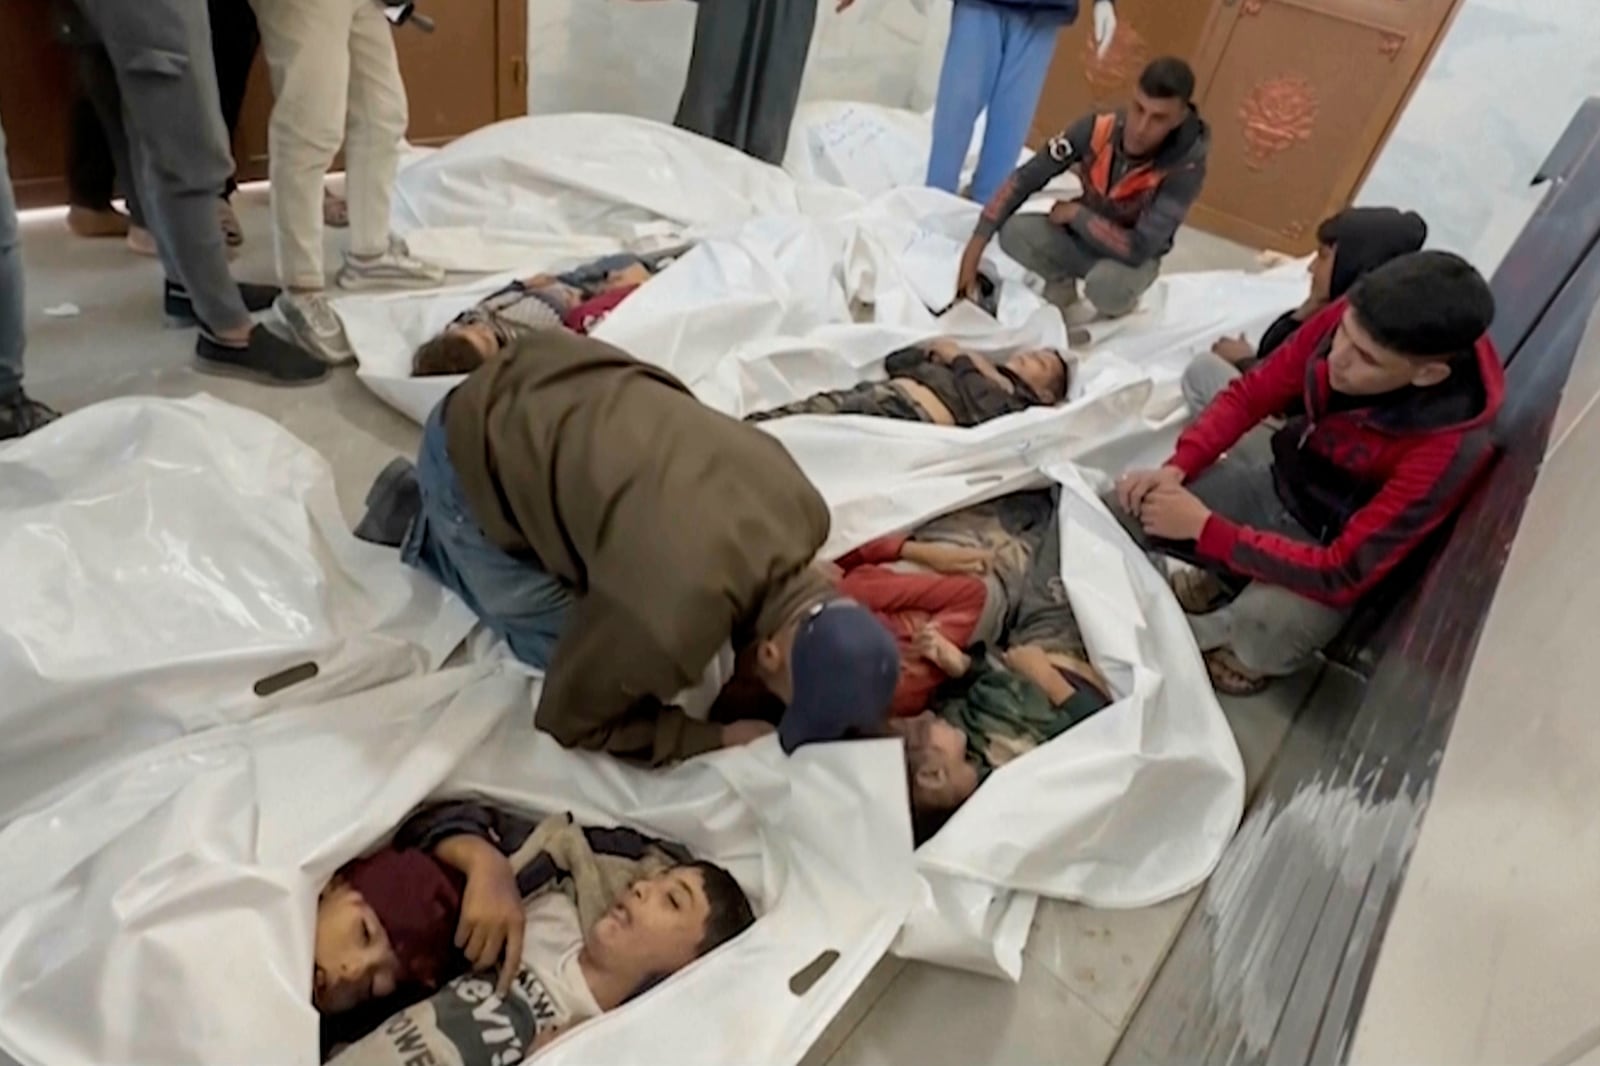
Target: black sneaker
179,309
20,416
392,505
268,358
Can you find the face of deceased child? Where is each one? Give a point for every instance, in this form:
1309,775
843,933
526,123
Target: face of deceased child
354,959
656,926
1044,372
936,758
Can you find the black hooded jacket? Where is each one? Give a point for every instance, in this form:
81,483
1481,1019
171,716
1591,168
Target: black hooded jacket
1363,239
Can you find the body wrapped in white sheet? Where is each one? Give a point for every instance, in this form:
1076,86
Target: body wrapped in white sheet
163,913
160,558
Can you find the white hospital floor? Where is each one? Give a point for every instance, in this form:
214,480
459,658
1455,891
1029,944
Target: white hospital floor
1085,970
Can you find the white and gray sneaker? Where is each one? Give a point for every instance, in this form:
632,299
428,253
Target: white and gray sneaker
314,326
395,268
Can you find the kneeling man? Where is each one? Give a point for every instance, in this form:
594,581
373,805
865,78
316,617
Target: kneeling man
1141,168
621,535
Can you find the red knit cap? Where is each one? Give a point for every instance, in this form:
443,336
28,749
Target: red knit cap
418,900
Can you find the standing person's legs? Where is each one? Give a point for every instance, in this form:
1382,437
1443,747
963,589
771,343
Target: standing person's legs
99,81
781,48
518,601
234,41
91,174
161,50
375,130
715,98
307,43
18,414
966,86
1029,43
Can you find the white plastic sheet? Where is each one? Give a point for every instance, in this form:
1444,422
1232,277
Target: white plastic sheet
160,558
1140,799
163,912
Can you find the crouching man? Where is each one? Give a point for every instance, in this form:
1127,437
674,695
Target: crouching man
1141,168
1388,399
622,536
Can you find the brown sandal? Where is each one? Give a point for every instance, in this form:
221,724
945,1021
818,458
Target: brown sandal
1229,676
1198,591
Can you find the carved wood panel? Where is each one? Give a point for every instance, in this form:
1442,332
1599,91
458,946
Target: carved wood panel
1299,95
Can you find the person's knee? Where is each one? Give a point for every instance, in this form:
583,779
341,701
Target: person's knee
1204,379
1021,239
1114,288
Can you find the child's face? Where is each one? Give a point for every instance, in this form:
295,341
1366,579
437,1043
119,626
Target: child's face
1044,372
354,960
936,755
656,927
481,336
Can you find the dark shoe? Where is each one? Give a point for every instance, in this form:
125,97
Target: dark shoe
392,505
20,416
268,358
180,309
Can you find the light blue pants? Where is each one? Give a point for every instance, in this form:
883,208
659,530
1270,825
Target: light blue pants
10,284
995,62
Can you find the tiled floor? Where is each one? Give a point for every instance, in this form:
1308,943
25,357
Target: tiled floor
1085,970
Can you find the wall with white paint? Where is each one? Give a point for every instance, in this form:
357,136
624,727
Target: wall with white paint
1506,78
630,56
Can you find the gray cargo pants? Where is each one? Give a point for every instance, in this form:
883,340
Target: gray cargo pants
1274,632
1057,255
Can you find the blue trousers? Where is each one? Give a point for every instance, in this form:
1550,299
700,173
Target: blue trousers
995,62
519,601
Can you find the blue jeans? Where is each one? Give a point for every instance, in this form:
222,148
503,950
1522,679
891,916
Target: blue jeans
995,62
10,284
521,603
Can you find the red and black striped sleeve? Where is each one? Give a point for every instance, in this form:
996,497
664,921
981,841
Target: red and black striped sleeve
1429,482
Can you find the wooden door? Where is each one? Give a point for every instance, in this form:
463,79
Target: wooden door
469,72
1080,80
36,79
1300,95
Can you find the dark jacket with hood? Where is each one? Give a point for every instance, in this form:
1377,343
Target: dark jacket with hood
1363,239
1131,208
1368,482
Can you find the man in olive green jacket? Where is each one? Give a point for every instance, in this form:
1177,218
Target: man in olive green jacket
619,534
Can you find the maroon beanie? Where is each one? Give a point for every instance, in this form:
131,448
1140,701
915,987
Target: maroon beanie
418,900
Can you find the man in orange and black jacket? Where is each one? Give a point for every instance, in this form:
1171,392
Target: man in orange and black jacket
1141,166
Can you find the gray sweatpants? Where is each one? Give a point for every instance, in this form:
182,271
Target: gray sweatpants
744,72
1274,632
1057,255
1206,377
161,50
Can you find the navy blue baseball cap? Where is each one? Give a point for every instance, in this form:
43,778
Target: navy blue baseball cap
844,667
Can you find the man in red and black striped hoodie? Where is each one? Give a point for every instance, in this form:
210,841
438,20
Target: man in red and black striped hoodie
1388,400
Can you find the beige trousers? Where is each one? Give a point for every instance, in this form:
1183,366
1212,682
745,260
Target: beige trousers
336,80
